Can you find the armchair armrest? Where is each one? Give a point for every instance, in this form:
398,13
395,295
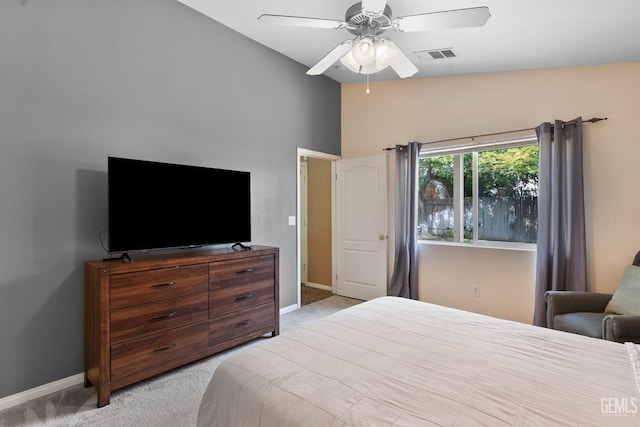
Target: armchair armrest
621,328
562,302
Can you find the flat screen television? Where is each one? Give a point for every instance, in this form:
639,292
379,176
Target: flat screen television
155,205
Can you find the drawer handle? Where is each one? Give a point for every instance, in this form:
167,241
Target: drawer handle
243,323
165,316
244,297
168,347
246,270
164,285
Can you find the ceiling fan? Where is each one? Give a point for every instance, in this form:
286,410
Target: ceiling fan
369,53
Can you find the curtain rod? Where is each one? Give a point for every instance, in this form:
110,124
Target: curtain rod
572,122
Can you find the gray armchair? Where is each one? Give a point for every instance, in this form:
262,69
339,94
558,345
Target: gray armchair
584,313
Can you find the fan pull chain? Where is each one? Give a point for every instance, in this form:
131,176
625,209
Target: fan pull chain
367,91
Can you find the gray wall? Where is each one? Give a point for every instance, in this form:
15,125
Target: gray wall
148,79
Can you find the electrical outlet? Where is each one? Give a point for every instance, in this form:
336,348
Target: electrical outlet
476,291
292,220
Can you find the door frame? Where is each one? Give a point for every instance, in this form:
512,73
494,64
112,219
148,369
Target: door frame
303,152
303,221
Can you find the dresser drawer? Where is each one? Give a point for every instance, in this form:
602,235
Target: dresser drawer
233,298
133,322
155,285
241,323
136,355
234,272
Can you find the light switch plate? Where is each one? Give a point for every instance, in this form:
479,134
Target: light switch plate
292,220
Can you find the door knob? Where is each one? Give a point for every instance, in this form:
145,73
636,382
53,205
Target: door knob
381,237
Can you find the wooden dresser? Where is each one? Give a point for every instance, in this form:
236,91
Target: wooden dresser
159,312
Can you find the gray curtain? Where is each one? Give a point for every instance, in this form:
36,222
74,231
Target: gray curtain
561,258
404,281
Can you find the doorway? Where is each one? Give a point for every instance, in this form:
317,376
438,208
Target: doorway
316,225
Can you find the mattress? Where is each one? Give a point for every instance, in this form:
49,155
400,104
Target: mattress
398,362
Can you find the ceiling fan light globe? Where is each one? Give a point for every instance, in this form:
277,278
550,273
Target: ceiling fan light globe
384,55
364,53
369,69
348,61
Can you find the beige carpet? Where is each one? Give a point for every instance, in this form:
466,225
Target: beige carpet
171,399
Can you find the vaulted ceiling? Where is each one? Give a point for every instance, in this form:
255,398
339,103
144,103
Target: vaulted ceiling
519,35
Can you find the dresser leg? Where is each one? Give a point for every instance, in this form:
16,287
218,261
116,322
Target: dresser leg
103,396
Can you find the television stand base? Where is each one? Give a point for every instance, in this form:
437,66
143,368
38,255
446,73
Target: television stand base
124,257
242,246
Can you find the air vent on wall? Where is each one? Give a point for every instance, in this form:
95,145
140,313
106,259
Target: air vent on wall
435,54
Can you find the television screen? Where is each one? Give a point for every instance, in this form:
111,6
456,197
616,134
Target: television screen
156,205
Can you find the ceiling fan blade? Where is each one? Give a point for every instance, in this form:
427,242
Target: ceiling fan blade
326,62
374,6
400,63
301,21
458,18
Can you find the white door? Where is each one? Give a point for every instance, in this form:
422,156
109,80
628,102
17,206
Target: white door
362,227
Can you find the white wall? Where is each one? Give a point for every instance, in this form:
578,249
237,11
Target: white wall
439,108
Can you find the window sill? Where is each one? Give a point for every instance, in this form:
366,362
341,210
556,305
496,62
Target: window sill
526,247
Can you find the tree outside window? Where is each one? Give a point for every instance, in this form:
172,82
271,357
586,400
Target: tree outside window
499,185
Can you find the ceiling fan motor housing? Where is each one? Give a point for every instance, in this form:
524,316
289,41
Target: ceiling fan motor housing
363,23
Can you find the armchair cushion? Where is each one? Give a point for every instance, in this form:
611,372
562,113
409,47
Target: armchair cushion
583,323
626,299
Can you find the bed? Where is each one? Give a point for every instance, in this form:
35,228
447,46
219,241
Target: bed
398,362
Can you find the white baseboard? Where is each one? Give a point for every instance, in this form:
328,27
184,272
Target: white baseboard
318,286
37,392
52,387
288,309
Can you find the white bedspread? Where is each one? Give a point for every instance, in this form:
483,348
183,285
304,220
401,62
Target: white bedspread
397,362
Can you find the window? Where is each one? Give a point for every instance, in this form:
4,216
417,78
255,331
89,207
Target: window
480,194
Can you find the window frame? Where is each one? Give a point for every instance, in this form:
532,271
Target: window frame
474,146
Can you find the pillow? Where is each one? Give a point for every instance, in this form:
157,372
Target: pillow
626,299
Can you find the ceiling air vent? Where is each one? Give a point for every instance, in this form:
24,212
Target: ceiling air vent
436,54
